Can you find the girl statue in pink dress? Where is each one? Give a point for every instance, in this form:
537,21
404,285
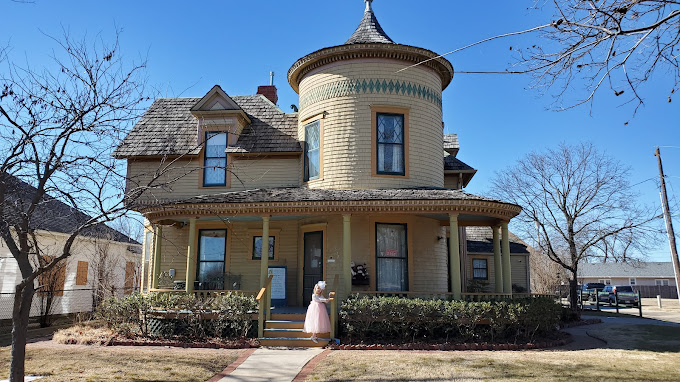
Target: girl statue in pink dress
317,320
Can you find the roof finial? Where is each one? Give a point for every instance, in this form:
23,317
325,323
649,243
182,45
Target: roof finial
368,6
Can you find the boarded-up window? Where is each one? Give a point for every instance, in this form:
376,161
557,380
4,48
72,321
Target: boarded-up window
53,280
129,276
81,273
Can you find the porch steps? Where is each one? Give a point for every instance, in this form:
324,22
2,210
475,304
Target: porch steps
286,330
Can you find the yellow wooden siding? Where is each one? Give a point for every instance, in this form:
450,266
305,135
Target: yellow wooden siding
451,181
347,151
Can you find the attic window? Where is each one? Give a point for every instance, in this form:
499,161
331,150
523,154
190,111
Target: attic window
215,159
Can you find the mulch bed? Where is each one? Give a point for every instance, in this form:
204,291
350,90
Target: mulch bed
208,343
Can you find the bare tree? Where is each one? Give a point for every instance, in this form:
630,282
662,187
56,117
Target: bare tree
57,130
578,198
617,44
545,274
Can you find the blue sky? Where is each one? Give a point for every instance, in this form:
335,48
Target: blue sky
192,46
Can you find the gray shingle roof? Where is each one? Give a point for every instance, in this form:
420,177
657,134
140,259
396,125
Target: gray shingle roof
480,240
52,214
298,194
452,163
369,31
169,128
636,269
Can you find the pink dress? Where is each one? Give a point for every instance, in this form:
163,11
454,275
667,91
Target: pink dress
317,320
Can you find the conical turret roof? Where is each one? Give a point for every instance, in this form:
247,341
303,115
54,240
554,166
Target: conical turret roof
369,30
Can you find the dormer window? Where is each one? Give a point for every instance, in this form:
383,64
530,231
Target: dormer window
215,159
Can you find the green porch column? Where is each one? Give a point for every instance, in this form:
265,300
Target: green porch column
346,254
157,257
264,259
507,274
191,257
497,260
454,256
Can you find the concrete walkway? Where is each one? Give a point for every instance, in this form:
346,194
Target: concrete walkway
273,364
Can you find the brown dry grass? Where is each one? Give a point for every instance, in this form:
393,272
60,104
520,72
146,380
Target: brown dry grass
84,335
585,365
95,363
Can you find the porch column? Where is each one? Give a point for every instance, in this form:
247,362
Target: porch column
264,259
347,253
454,256
507,280
157,257
497,260
191,257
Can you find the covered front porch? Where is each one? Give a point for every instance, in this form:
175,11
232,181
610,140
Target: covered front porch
403,243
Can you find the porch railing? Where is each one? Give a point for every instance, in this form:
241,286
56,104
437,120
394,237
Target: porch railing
449,296
205,293
264,305
334,307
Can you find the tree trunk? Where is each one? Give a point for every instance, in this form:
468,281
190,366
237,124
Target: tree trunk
20,315
573,293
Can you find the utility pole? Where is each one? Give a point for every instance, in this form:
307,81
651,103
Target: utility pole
669,225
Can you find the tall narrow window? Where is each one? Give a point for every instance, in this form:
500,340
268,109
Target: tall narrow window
391,257
212,248
148,241
480,270
390,141
215,162
312,150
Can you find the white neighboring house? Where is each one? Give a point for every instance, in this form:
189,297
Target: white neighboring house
654,277
103,261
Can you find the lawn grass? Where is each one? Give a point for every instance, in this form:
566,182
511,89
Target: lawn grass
641,337
97,363
584,365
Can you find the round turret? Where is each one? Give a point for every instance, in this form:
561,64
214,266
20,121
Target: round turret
366,122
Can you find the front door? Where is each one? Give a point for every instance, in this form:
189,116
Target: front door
313,264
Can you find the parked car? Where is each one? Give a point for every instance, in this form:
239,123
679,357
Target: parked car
625,294
589,290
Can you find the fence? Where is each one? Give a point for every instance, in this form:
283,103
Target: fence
651,291
65,301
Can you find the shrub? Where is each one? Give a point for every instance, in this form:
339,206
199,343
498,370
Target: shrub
152,314
383,319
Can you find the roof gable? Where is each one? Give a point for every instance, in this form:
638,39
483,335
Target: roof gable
216,99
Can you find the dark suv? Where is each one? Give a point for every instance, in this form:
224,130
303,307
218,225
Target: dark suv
588,290
625,294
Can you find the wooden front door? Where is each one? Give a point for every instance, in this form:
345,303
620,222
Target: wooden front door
313,264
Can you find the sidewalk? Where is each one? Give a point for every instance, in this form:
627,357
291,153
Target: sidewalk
273,364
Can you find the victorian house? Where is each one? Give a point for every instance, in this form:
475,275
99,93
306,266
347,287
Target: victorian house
360,185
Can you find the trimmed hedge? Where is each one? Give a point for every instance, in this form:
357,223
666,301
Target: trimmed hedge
167,315
394,319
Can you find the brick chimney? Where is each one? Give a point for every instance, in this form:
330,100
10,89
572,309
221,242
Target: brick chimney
269,91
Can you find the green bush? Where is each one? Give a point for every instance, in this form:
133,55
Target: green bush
393,319
168,315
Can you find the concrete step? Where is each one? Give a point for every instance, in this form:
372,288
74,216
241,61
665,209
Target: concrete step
293,342
283,324
291,333
288,316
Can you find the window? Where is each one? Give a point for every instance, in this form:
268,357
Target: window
51,283
605,281
257,247
391,257
215,161
632,281
212,248
661,282
81,273
480,270
390,144
312,151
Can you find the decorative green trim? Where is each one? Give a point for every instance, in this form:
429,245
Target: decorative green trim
346,88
